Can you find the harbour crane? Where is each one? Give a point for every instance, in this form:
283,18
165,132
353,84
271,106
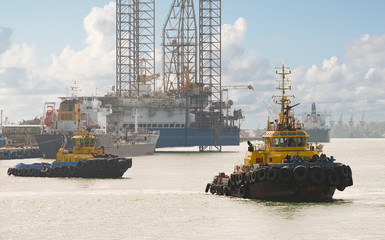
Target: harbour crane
229,103
143,70
238,87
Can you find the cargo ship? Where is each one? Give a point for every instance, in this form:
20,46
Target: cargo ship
284,166
176,118
315,125
58,126
147,120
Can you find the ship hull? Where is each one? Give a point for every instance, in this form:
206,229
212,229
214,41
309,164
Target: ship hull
87,168
50,144
125,149
293,190
310,183
185,137
290,191
318,134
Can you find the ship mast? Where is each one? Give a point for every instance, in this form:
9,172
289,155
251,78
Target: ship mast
286,120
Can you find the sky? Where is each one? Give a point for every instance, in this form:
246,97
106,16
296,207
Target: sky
335,50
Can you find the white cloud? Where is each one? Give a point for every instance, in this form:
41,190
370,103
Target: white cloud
244,68
232,37
25,87
367,51
5,38
335,85
331,71
370,73
345,87
94,65
18,56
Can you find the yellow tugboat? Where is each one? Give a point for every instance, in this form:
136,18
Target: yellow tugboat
84,160
285,166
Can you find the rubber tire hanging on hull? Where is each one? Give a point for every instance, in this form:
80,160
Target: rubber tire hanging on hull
207,187
300,173
239,179
261,175
271,174
246,178
317,175
243,191
226,191
333,178
253,177
285,174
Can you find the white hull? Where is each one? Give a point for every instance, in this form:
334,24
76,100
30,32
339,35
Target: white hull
126,149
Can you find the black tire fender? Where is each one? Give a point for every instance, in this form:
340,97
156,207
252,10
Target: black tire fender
317,175
285,174
207,187
271,175
243,191
253,176
333,178
261,174
300,173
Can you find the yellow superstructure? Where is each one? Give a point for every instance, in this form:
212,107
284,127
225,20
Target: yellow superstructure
83,148
284,137
69,111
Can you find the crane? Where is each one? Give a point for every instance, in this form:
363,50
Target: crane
186,82
239,87
229,103
271,109
143,70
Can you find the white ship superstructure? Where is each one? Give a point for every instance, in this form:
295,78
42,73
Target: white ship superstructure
153,113
315,125
88,112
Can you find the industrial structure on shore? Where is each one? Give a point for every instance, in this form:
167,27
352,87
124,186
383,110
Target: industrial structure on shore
186,106
188,110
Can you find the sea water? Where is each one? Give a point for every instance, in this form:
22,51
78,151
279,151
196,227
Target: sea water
162,197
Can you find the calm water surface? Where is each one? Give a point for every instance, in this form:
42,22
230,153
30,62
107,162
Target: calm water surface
162,197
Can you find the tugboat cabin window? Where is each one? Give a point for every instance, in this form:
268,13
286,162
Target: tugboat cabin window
301,141
283,142
292,142
275,142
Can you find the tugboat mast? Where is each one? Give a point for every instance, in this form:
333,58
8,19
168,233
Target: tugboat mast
286,120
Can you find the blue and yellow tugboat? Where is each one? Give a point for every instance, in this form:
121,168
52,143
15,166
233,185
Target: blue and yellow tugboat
84,160
285,166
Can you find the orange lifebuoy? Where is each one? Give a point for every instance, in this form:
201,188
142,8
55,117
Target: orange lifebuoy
102,148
